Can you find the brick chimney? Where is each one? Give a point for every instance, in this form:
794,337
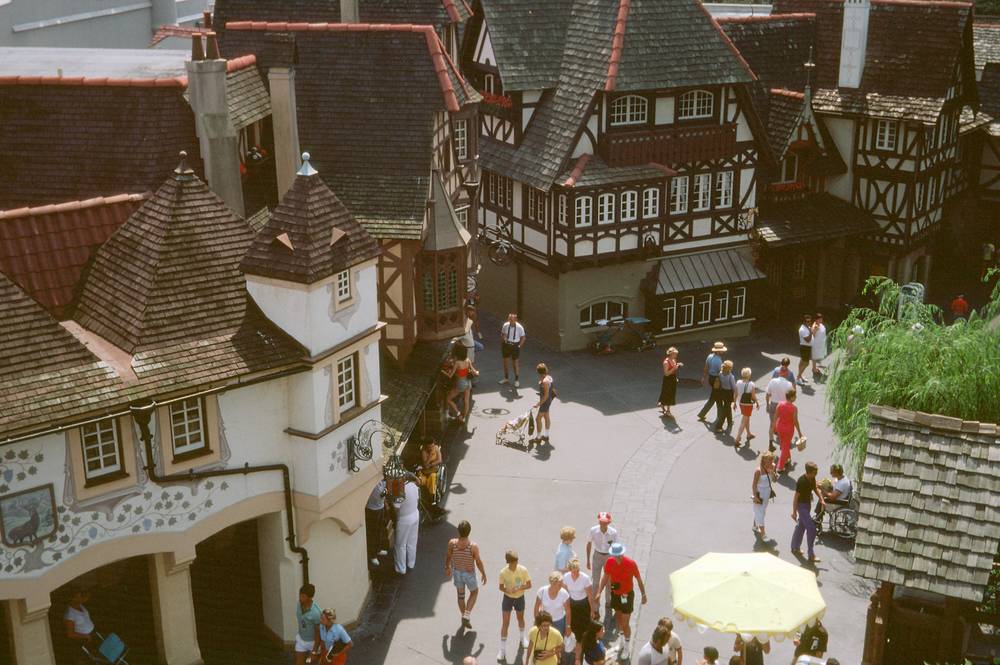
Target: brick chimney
349,11
853,42
217,136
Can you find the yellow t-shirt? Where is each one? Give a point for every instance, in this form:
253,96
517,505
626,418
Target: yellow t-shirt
514,578
553,641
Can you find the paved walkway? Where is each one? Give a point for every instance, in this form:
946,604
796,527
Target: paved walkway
676,491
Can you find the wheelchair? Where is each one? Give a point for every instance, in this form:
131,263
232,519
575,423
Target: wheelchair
110,650
840,518
430,506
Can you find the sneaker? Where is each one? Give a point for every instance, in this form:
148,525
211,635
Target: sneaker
814,559
466,623
504,381
501,656
796,552
517,383
545,438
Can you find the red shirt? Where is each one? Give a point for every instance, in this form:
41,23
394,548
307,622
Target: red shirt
621,573
959,307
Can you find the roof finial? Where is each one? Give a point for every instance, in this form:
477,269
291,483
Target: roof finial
810,67
183,171
307,168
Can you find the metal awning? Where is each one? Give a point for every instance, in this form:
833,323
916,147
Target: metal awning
706,270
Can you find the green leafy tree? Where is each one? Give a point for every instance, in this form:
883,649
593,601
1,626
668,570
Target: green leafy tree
908,357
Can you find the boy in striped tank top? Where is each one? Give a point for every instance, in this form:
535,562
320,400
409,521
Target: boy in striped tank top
460,563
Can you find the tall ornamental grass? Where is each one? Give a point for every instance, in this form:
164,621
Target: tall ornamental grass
911,360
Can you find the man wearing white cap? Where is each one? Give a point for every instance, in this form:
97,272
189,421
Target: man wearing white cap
601,536
619,572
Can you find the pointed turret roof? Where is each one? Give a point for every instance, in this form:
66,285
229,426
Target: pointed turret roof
171,272
310,235
444,230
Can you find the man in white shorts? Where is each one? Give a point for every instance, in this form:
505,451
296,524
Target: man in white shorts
599,542
307,615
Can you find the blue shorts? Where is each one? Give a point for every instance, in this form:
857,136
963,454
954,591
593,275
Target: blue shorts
463,580
515,604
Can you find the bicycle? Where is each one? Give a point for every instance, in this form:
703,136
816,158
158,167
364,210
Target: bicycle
499,250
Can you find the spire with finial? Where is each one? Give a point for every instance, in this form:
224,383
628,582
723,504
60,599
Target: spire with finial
307,168
810,68
183,171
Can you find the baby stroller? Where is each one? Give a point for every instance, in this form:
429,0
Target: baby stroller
518,431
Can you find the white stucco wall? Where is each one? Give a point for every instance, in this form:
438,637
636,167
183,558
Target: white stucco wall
842,131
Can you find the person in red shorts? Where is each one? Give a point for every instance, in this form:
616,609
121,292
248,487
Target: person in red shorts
619,571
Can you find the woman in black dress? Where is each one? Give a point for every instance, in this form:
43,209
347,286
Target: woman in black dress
668,389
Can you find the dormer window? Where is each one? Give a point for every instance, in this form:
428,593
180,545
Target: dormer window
343,286
628,110
490,84
886,132
696,104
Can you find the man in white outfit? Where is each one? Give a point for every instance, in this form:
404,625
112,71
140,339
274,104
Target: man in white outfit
601,536
407,526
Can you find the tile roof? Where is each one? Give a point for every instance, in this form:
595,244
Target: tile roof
422,12
896,107
591,171
646,55
368,97
776,46
986,42
410,386
704,270
813,218
309,236
912,44
76,137
45,249
929,518
783,113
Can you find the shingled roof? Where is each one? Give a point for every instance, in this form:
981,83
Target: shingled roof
528,38
812,218
45,249
986,42
368,96
82,123
913,47
929,518
776,46
632,45
309,236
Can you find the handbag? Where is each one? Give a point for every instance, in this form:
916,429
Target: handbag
771,485
800,445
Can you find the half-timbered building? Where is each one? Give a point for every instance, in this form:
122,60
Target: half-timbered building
619,149
392,122
983,240
868,110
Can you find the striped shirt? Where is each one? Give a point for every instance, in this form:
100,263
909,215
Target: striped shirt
461,557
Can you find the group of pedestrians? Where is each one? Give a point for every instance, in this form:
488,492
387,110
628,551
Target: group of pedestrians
319,639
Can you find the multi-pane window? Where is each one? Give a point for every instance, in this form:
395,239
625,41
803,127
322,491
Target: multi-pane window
428,290
687,311
505,192
739,301
704,307
530,202
886,132
703,191
101,448
610,310
584,210
347,394
489,84
452,300
491,186
462,139
695,104
606,209
722,305
724,189
630,205
541,209
651,202
343,285
799,267
562,209
442,295
187,426
629,110
670,314
463,217
678,194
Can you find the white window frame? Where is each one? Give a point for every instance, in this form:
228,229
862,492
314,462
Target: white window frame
492,181
562,210
722,305
463,217
651,202
739,302
704,306
629,110
541,207
584,211
696,104
793,159
687,311
702,193
461,130
605,305
724,189
670,314
630,205
886,134
186,407
606,209
346,373
94,439
343,283
489,84
530,202
678,195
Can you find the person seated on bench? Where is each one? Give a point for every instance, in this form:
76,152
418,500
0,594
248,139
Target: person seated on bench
427,472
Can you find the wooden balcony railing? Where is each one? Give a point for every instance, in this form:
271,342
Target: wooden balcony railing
670,146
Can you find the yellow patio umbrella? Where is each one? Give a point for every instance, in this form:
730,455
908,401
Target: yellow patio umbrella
752,594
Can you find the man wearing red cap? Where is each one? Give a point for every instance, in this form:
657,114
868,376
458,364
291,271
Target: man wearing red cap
601,536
